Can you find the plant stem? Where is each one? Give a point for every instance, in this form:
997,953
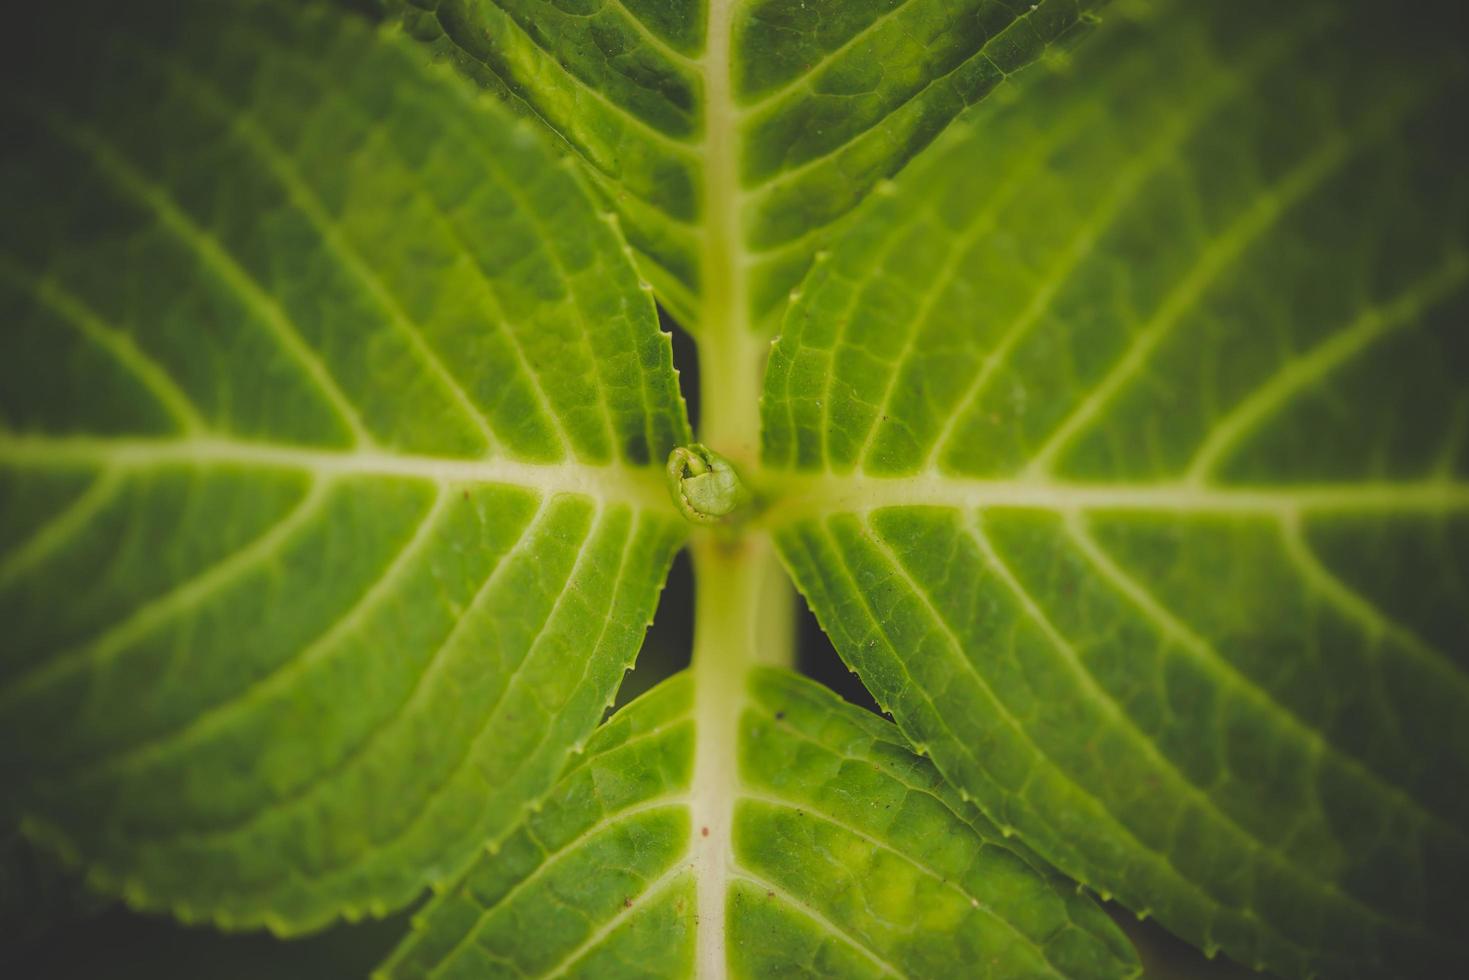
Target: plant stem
743,603
731,371
743,616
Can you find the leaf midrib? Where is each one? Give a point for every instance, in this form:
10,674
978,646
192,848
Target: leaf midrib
816,495
723,259
608,483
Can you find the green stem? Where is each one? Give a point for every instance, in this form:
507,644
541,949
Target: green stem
731,373
743,616
743,603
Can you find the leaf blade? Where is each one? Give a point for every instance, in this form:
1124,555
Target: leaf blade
1045,470
334,463
825,770
734,140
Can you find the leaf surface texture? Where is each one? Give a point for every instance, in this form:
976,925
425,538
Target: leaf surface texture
1133,426
331,423
849,857
731,136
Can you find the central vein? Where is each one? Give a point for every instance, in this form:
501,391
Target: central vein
732,353
743,602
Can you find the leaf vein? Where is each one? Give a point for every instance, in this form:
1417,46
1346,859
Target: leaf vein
70,309
807,807
204,94
56,532
1370,327
218,716
801,908
956,648
610,820
1224,87
180,599
123,175
1277,855
1267,208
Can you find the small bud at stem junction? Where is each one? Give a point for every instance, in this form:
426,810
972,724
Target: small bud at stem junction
704,485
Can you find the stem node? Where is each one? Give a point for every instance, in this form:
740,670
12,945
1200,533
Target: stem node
705,486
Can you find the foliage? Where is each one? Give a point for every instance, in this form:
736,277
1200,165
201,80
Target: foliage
1097,375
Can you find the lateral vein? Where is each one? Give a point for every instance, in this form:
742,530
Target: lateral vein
118,343
801,908
212,253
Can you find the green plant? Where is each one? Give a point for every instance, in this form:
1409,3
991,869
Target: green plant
1119,441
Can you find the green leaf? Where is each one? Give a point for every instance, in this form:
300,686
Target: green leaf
731,137
1128,439
849,857
332,422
